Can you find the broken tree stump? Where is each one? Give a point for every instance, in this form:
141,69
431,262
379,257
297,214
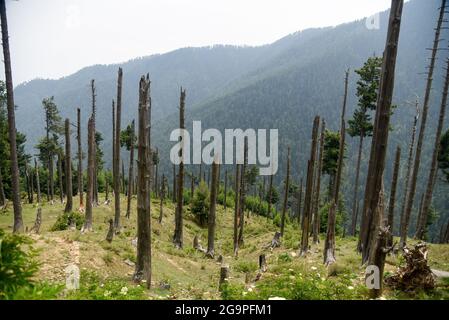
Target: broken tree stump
197,245
224,276
262,263
37,223
416,273
110,234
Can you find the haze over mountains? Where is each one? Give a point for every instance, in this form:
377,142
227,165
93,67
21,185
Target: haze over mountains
282,85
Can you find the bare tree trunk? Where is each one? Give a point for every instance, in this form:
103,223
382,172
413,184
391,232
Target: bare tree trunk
156,175
355,207
300,191
236,208
178,235
373,187
15,185
60,178
243,187
422,222
307,212
316,213
174,184
270,195
68,168
27,183
2,191
391,204
90,175
94,117
38,184
162,197
143,263
131,172
225,189
405,220
287,185
417,161
116,164
80,160
211,216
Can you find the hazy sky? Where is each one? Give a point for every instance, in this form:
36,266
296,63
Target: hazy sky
54,38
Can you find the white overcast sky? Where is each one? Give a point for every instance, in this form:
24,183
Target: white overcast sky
54,38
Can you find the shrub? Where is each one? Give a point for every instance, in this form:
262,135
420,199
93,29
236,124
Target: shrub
17,266
200,203
246,266
63,221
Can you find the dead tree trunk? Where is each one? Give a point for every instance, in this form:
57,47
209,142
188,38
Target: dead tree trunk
60,177
287,185
90,175
236,208
316,213
94,117
37,223
270,195
225,189
156,174
373,189
162,197
178,235
307,212
224,275
212,206
298,214
131,172
243,187
27,184
405,220
80,161
15,184
417,161
355,202
174,184
391,204
422,222
38,184
68,168
116,160
143,263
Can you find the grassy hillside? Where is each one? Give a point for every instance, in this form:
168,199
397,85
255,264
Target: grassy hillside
106,269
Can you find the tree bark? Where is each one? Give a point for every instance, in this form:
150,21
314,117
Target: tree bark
270,195
417,161
68,168
94,117
374,181
391,204
174,184
212,206
143,263
38,184
178,235
405,220
15,184
422,222
307,212
225,189
316,213
162,197
287,185
131,172
2,191
60,178
355,207
300,191
236,208
242,197
116,164
90,175
80,161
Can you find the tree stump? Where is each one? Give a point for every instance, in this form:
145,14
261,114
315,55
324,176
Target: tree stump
224,275
262,263
110,234
37,223
197,245
276,242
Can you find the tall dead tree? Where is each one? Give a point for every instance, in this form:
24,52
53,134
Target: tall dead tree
225,189
316,213
212,206
178,237
80,160
243,189
68,168
38,183
391,203
307,211
60,178
372,213
299,200
287,186
162,197
425,109
15,184
236,208
174,184
422,222
156,174
116,160
405,220
90,175
131,171
270,195
143,261
94,117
